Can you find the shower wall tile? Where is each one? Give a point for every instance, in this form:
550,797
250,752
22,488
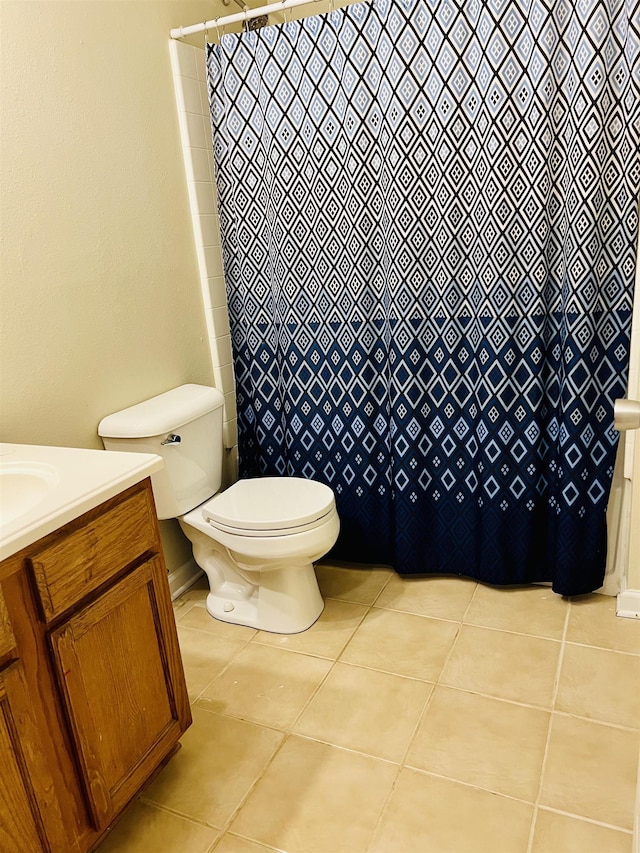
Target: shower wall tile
205,199
219,320
196,221
230,401
201,70
191,95
216,292
223,375
223,354
230,470
200,164
213,261
230,434
210,335
186,61
204,97
195,130
189,72
209,229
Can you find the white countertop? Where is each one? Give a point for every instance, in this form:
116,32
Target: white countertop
72,481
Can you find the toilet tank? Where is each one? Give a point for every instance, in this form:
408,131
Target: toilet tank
184,427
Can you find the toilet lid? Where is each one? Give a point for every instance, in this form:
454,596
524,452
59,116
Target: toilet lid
269,504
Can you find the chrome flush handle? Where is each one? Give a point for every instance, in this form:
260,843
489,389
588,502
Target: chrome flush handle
172,438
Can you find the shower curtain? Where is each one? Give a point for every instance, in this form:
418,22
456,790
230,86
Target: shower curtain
429,221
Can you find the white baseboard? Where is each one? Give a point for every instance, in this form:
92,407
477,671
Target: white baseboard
183,577
629,604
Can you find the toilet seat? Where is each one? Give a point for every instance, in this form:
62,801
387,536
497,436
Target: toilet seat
270,506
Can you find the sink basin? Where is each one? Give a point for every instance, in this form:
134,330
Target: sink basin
22,486
43,488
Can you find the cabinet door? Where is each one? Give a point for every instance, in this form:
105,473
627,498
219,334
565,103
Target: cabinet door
115,661
21,827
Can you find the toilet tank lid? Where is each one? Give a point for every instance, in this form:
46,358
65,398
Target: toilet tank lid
161,414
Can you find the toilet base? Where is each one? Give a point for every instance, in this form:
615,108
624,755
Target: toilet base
287,601
270,584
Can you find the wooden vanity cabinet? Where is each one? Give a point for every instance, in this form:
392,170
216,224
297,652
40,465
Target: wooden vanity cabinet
22,827
92,691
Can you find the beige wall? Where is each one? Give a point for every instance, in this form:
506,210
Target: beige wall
100,301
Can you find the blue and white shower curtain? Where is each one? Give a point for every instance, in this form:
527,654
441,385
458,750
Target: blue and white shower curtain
429,220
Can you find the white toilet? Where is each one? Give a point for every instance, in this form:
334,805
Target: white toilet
258,539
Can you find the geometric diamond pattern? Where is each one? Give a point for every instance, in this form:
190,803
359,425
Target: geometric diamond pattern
429,219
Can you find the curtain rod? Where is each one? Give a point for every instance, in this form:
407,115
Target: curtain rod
237,17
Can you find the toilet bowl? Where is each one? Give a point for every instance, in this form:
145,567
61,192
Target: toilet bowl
257,540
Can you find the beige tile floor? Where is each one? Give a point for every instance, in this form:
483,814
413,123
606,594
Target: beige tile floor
416,716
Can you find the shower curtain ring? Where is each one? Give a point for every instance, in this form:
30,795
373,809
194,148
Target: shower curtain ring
215,24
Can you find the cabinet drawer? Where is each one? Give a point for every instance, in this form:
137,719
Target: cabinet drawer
88,555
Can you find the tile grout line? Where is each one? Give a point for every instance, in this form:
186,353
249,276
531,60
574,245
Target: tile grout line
589,820
463,623
382,588
287,734
192,702
543,766
604,649
573,815
234,812
314,693
259,844
346,645
471,785
402,764
334,661
177,813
